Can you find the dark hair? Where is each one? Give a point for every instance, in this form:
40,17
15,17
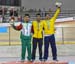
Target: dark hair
27,15
38,14
47,14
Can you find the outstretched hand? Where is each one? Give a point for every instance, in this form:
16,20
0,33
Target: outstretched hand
58,4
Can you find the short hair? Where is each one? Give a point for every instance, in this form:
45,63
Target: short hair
38,14
26,15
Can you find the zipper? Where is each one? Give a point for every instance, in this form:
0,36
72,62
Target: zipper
38,28
27,28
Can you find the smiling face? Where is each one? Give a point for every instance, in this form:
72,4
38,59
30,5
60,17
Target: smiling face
26,18
38,17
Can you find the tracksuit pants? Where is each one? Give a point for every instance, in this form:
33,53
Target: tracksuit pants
50,40
39,42
26,44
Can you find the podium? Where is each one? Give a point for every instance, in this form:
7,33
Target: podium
37,62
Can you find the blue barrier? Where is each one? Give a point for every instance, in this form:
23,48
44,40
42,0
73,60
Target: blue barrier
3,29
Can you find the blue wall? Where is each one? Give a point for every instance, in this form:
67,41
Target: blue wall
3,29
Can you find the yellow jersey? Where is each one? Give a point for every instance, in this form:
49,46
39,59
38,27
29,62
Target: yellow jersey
37,29
49,28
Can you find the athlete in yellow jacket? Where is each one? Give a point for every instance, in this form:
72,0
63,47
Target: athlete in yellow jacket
49,38
37,27
49,23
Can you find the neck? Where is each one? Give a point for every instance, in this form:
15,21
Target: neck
38,20
26,21
47,19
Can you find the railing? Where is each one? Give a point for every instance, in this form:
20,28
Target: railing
63,35
63,14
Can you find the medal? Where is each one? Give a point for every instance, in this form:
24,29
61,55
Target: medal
38,26
48,24
27,28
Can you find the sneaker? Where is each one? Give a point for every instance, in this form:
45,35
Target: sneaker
55,60
40,59
44,60
22,61
32,60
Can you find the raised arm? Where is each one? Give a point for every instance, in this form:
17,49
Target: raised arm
56,13
58,5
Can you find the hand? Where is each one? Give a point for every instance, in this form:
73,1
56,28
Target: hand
58,4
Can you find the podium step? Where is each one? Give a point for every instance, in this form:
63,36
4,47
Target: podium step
37,62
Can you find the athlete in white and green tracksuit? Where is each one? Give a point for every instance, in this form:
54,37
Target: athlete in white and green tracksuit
25,37
26,40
